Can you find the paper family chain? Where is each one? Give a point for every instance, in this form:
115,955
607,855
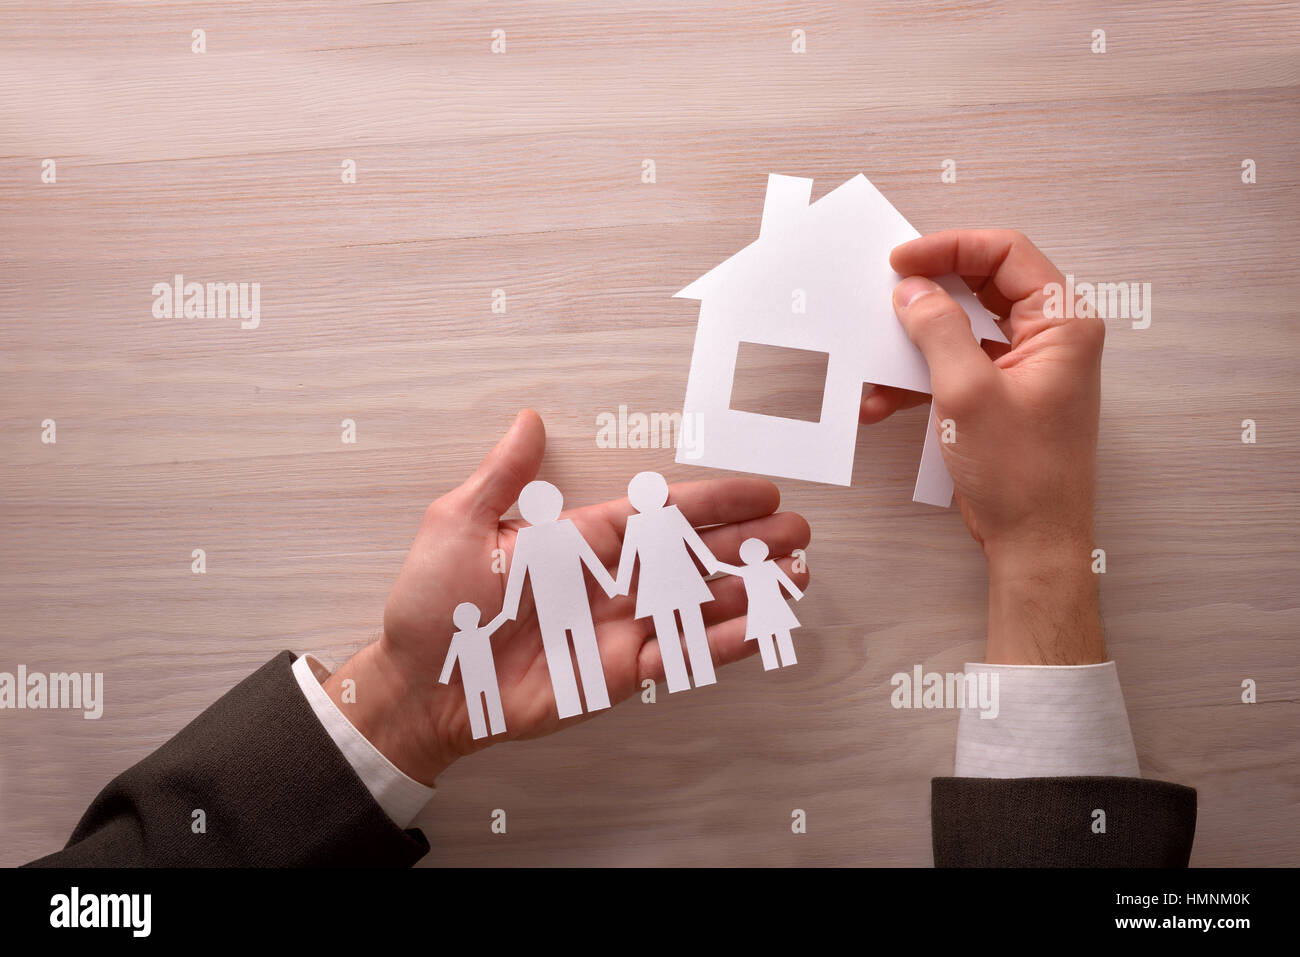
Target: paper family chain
659,538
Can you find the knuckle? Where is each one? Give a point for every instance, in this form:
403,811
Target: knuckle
1007,238
961,394
1093,333
436,512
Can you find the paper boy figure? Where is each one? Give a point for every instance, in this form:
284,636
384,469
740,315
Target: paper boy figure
472,647
552,552
769,616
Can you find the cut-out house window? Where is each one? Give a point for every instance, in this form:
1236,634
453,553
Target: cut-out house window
777,381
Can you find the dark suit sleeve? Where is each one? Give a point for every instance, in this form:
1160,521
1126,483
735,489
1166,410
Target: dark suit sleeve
1050,822
274,788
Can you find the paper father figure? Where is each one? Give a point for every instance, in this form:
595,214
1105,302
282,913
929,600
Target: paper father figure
551,552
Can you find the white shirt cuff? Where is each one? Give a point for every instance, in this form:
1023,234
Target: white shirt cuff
1051,721
401,797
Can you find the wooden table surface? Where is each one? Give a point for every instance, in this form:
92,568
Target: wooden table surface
522,171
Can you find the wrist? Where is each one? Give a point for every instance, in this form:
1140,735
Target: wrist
1043,604
389,711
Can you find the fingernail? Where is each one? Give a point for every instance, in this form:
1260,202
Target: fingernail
912,289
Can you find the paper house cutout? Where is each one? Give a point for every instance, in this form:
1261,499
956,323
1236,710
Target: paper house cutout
833,257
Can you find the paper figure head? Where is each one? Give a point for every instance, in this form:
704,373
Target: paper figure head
647,491
540,502
753,551
466,616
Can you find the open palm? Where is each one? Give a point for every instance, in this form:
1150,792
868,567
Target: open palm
464,547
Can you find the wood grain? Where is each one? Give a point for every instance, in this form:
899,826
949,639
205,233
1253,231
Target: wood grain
522,171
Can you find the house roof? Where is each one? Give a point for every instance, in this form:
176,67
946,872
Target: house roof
856,213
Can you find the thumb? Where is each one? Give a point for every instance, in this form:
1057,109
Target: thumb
940,328
512,464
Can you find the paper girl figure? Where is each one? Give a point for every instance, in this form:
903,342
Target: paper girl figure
769,616
552,552
670,583
472,647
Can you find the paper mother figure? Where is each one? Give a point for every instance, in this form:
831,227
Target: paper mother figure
669,584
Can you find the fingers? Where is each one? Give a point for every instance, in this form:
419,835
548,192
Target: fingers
989,295
1016,267
959,369
782,533
707,502
716,501
726,644
512,464
727,641
1005,270
884,400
